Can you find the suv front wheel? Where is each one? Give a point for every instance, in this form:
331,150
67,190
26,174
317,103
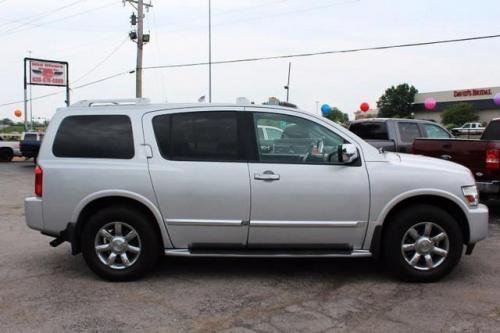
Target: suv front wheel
422,243
119,244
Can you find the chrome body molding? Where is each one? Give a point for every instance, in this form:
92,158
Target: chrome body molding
204,222
269,254
305,224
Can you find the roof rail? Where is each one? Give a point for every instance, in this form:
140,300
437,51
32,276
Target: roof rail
101,102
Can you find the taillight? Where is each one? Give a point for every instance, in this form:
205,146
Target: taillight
38,181
493,159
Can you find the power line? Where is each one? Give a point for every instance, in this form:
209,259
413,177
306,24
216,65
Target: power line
31,26
300,55
37,17
102,61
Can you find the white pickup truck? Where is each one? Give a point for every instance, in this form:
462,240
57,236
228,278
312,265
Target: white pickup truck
469,128
8,149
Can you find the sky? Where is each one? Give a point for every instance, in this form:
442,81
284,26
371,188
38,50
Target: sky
91,35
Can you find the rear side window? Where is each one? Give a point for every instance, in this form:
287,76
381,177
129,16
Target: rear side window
30,136
492,131
199,136
434,131
370,130
408,131
99,136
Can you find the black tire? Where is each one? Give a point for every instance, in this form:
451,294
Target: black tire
396,230
149,238
6,154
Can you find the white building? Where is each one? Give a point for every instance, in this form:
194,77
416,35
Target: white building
480,98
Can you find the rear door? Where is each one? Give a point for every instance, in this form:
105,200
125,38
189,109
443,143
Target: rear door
407,132
200,176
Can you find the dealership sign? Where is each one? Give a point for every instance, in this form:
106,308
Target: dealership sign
48,73
472,92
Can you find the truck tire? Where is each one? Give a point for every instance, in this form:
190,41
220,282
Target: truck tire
422,243
120,243
6,154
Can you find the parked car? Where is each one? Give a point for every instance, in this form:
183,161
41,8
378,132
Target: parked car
8,149
30,144
393,134
125,183
469,128
269,132
482,156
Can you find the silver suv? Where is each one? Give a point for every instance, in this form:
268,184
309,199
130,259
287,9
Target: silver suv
126,182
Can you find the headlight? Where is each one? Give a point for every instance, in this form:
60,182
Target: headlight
471,195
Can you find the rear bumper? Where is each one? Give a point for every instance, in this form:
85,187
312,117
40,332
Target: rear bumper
478,223
34,213
492,187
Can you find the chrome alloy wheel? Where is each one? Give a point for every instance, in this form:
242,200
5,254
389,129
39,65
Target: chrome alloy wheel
425,246
117,245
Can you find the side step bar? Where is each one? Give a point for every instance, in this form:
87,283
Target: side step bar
268,253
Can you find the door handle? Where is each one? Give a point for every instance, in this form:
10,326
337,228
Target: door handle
266,175
446,157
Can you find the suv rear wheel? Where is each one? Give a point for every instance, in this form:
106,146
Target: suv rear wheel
119,243
422,243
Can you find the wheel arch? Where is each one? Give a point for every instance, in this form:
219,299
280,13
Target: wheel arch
103,199
451,205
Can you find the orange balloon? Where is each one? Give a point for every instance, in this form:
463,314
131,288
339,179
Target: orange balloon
18,113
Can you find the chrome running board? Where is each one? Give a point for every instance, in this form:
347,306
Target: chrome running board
268,253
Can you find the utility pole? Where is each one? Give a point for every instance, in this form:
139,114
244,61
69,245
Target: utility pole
287,87
209,51
137,35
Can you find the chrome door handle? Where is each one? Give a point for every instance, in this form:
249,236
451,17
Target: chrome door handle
446,157
266,175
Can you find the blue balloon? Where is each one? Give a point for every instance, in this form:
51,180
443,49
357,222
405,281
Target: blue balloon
325,108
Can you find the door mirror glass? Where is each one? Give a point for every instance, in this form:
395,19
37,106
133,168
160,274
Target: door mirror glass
346,154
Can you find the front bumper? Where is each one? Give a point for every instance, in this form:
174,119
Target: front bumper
478,223
492,187
34,213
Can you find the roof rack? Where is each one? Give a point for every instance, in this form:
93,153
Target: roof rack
101,102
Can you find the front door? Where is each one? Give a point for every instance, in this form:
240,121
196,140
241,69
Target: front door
200,176
299,198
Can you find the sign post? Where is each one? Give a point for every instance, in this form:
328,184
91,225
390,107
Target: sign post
44,73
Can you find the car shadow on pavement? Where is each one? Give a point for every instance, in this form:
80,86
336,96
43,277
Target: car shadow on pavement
296,268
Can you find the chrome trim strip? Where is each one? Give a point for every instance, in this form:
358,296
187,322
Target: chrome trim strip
307,224
187,253
204,223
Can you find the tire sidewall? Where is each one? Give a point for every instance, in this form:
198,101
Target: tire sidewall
401,223
150,245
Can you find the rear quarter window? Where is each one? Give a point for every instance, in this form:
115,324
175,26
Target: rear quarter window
492,131
96,136
370,130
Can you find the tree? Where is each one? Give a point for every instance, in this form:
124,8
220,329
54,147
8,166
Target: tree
397,101
337,116
6,121
458,114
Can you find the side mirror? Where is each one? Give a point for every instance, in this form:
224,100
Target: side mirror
347,153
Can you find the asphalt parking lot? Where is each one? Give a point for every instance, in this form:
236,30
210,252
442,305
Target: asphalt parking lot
47,289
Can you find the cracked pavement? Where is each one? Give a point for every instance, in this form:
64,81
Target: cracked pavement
44,289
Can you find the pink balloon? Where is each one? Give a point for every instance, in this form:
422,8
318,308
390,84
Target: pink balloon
430,103
496,99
